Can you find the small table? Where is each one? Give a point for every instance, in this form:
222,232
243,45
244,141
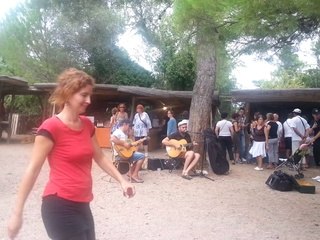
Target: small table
103,137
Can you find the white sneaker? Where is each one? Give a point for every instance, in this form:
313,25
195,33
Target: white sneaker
258,169
316,178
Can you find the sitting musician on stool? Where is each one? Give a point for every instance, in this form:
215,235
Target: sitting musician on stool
174,140
120,138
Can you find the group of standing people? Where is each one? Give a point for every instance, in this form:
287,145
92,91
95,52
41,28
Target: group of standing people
266,133
232,135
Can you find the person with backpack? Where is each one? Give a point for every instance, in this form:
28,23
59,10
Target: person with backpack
300,132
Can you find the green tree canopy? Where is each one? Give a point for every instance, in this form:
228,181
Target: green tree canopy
53,35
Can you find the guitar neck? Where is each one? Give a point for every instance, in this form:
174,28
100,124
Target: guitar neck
139,141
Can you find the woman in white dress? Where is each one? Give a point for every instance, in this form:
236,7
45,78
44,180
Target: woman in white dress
260,142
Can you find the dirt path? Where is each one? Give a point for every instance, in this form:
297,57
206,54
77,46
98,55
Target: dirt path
166,206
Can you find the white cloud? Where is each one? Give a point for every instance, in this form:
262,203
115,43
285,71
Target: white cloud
305,53
137,49
252,69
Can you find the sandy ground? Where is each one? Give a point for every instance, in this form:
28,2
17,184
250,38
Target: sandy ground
235,206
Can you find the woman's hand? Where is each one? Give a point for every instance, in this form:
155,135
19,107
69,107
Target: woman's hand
14,225
128,189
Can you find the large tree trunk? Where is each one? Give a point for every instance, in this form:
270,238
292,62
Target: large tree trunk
203,90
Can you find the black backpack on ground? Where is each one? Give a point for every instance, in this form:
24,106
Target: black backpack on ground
281,181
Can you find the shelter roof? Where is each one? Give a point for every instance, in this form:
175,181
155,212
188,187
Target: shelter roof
15,85
276,95
140,92
9,83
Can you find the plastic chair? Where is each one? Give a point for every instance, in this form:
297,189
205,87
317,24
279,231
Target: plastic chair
123,165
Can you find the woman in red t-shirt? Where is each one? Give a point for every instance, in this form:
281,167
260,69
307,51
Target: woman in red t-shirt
68,141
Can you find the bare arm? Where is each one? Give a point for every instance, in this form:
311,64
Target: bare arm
41,149
266,133
217,130
231,130
315,137
166,141
236,127
117,141
298,133
112,120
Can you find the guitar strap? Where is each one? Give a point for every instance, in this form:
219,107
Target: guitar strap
222,127
303,125
143,121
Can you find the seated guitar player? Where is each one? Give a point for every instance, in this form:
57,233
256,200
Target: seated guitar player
179,145
125,149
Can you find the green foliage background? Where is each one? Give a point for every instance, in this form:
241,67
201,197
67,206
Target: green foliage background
40,38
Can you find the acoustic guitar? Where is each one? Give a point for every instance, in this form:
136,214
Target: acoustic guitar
126,153
177,152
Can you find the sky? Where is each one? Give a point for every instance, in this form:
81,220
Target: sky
6,5
251,68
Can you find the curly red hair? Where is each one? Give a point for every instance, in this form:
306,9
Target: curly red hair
69,82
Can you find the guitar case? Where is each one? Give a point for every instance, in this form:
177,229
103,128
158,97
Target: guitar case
217,157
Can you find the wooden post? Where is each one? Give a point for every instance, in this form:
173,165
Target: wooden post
133,106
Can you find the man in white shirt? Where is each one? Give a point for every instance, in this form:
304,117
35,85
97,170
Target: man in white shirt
280,127
287,129
300,131
224,132
120,138
279,130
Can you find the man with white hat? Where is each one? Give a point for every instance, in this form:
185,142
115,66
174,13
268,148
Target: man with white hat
300,131
174,140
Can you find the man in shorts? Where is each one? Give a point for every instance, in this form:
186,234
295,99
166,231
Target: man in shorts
120,138
191,158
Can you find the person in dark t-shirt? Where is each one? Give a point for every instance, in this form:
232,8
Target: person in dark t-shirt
316,133
180,146
272,130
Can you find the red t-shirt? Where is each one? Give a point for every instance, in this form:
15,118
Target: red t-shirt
70,159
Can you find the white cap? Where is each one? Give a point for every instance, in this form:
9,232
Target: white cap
296,110
184,121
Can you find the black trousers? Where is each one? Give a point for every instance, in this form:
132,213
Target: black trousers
67,220
316,152
226,145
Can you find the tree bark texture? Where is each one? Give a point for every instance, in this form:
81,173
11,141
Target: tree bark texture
203,90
